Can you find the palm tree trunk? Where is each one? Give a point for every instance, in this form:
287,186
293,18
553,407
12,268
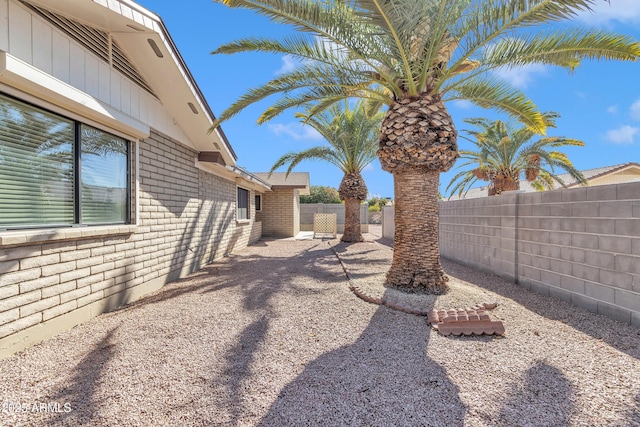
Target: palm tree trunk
416,254
352,229
353,191
417,142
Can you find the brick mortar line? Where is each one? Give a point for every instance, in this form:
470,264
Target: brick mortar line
372,300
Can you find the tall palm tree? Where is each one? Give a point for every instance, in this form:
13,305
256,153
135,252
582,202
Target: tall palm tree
413,56
506,154
352,135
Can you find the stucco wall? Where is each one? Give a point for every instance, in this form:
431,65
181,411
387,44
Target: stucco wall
186,220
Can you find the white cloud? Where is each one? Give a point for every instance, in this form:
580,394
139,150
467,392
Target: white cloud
581,95
521,77
462,104
296,131
369,168
635,110
623,135
605,12
612,109
288,64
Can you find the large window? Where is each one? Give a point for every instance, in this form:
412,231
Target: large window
56,172
242,204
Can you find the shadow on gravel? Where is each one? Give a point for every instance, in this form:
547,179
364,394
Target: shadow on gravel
383,378
623,337
546,393
238,365
633,414
385,242
277,274
86,379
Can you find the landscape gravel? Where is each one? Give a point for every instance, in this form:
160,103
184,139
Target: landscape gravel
272,336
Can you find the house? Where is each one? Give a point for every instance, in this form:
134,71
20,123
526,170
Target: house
616,174
110,184
279,210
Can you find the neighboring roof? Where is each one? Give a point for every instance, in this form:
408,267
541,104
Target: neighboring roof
299,180
144,38
569,181
591,174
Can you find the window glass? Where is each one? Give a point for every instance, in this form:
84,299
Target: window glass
243,204
258,202
55,171
104,177
36,166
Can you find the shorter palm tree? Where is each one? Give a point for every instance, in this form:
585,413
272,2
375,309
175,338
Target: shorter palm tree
505,155
352,135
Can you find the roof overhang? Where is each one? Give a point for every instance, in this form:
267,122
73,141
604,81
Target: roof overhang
235,174
281,181
144,38
304,190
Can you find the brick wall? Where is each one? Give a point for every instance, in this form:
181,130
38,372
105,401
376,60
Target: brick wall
187,219
278,215
580,245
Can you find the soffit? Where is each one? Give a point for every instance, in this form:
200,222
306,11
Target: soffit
134,30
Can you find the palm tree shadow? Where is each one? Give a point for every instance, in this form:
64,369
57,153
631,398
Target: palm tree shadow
546,393
623,337
239,360
634,413
385,377
81,394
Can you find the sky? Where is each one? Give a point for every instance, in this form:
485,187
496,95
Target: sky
599,103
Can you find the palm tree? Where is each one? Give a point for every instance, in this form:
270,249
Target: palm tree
413,56
505,155
352,135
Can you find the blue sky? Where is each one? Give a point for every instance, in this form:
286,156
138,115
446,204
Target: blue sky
599,103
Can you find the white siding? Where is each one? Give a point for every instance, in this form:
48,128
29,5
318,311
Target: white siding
4,25
61,58
42,56
92,76
33,40
20,33
104,74
76,61
125,96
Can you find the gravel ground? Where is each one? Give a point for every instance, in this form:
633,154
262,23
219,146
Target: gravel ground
272,336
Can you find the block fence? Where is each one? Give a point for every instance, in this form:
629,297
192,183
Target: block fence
580,245
308,209
51,280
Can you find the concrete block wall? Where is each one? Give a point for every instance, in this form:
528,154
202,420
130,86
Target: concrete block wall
66,276
279,215
308,209
581,245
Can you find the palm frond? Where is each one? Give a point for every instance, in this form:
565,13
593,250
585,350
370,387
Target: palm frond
566,49
314,153
496,94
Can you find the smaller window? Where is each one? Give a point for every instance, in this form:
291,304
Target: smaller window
258,202
242,205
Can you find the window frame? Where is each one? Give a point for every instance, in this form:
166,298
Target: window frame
258,204
77,164
248,218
